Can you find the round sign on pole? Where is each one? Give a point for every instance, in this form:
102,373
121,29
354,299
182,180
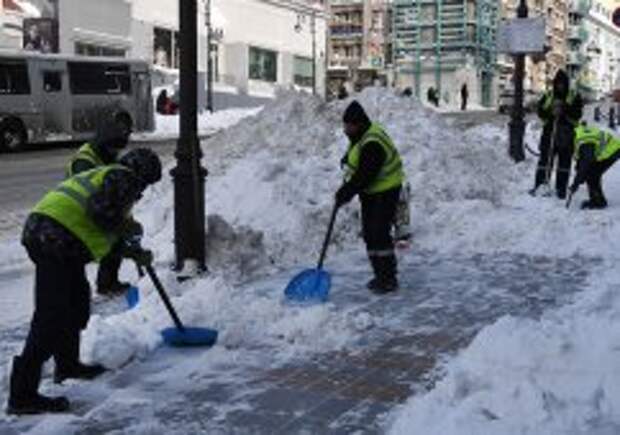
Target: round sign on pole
616,17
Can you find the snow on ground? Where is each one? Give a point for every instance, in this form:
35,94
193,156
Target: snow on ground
269,195
167,126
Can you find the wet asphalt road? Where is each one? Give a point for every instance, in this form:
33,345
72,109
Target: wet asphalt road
27,175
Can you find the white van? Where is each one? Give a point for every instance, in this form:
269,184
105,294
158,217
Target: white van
45,98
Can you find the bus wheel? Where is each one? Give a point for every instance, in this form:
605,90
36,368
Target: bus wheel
12,136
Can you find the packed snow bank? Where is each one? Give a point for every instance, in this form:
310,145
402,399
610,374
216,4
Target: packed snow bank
275,174
558,375
243,317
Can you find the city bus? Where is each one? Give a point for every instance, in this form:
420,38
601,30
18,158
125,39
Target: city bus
46,98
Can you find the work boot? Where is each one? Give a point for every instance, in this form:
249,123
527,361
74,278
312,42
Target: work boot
113,289
78,371
384,268
593,205
532,191
23,395
381,286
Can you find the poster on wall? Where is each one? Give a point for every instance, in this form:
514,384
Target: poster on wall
41,34
40,25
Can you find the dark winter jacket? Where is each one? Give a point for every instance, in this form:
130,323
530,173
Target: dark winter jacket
571,113
572,107
108,209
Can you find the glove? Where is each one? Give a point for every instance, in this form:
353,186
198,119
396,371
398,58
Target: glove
344,195
132,230
142,257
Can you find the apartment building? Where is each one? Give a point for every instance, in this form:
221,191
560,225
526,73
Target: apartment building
601,49
444,44
359,44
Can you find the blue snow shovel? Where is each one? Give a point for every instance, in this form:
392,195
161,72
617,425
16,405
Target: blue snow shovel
132,296
313,284
180,335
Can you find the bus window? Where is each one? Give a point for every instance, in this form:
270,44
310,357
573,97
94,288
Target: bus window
14,78
118,79
91,78
52,81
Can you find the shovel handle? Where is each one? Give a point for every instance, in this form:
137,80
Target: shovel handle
328,236
164,297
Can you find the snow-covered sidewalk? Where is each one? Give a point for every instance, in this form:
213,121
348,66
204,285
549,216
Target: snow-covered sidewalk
338,367
483,249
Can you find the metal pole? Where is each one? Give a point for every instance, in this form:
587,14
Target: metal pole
517,121
209,58
189,175
313,29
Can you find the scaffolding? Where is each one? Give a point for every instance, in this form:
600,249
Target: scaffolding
440,36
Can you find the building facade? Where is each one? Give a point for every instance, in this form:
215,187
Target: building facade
445,44
601,49
359,43
257,46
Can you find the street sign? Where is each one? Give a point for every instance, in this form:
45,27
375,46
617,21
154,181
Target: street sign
521,36
616,17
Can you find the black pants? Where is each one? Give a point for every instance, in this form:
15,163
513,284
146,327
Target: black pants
563,147
378,211
107,276
62,309
593,179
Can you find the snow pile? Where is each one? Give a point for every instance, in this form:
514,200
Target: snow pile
241,315
270,192
558,375
276,173
269,195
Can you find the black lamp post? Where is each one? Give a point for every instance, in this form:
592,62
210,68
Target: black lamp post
517,121
189,175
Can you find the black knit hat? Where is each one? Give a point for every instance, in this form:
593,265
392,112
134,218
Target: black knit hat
355,114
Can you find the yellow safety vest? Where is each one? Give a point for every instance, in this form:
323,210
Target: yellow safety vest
67,205
605,144
391,174
86,152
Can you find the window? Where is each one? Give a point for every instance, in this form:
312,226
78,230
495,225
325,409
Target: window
263,64
302,71
52,81
14,78
99,79
83,49
166,51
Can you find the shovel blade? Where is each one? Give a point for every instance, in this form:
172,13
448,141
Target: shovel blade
132,296
189,337
309,285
